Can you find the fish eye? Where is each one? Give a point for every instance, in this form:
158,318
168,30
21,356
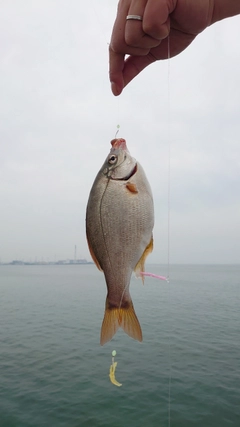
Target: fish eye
112,159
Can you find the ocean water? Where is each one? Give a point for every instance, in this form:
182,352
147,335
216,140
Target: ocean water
185,373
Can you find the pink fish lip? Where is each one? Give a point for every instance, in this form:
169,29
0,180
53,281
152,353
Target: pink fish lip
119,143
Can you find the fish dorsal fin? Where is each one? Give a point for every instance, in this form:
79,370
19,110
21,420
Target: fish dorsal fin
141,263
94,256
132,187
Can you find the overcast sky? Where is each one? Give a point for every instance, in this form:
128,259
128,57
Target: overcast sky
57,117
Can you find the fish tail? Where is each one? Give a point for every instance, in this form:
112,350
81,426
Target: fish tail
124,317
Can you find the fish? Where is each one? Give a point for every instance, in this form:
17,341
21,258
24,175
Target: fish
119,230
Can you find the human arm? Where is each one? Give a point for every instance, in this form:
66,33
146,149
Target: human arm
147,41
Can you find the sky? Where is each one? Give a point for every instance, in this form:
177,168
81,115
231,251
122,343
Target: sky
58,116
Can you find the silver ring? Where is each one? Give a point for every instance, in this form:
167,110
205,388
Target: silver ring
136,17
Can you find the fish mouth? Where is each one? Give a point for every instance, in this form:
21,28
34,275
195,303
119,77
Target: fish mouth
125,178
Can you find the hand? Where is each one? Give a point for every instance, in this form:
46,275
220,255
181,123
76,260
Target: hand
147,41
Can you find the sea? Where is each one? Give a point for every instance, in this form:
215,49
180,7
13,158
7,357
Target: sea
53,371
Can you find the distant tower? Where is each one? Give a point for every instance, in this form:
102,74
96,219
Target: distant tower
75,253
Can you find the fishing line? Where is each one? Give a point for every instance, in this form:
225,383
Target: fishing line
113,366
105,36
100,23
169,164
118,127
168,236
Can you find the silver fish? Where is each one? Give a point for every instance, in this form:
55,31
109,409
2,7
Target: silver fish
119,223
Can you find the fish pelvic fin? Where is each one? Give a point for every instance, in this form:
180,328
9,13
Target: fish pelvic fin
94,256
140,266
115,318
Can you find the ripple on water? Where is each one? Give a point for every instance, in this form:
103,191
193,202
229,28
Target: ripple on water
55,373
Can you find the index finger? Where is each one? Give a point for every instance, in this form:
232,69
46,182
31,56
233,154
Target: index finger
116,66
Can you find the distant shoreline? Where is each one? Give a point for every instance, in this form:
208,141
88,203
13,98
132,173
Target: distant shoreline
17,263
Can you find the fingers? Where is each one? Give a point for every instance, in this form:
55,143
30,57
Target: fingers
119,48
134,65
136,38
116,66
135,34
123,71
156,21
118,43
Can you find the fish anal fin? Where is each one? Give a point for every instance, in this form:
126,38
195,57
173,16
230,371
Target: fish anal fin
132,187
94,256
114,318
141,263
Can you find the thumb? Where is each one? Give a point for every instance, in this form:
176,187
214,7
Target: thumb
134,65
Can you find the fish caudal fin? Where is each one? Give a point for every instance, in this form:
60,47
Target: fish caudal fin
110,325
115,318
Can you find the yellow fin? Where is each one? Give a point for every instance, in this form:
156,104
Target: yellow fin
110,325
132,187
141,263
94,256
120,317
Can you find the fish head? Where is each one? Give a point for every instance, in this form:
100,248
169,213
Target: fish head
119,164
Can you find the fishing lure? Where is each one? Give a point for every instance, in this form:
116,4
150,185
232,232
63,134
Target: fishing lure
156,276
112,370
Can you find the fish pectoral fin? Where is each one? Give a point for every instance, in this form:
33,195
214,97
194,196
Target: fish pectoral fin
94,256
132,187
114,318
140,266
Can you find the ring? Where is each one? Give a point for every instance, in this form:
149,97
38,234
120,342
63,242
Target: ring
136,17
